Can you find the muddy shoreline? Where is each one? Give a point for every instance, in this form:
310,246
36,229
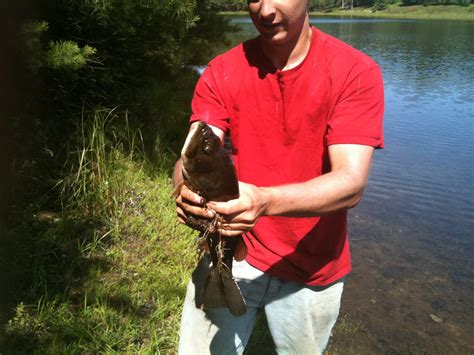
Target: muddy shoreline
408,293
405,294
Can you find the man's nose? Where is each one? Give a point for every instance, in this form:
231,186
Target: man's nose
267,10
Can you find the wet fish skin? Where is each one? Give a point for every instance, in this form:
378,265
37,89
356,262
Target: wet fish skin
207,169
209,172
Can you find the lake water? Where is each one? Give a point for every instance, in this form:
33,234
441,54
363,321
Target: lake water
412,236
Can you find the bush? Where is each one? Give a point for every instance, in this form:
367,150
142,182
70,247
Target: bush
379,5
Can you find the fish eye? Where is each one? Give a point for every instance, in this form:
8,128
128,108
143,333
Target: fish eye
211,146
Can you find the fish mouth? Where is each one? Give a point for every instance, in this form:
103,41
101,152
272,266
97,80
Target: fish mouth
195,137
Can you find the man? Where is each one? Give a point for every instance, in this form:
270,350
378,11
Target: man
304,114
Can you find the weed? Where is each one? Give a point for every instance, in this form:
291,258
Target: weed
111,270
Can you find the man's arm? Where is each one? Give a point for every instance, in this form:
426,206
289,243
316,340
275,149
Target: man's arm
339,189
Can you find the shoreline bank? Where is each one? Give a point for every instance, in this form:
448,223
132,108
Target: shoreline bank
395,11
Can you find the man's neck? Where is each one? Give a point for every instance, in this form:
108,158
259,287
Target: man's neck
289,55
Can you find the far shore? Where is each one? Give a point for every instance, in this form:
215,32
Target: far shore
415,12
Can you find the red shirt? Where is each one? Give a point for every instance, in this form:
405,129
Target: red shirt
280,124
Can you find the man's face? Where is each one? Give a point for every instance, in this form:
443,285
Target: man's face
278,21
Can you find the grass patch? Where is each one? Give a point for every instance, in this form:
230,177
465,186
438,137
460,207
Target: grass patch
108,272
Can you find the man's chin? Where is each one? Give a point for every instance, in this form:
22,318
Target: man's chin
274,38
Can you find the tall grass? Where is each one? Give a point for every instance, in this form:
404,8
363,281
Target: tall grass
91,184
110,271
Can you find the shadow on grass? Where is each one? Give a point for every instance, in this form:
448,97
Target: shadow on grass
261,341
44,259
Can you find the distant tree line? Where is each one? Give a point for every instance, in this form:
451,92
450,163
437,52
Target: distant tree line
318,5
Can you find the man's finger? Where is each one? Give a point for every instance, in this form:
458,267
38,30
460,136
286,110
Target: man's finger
197,210
236,226
231,207
231,233
181,214
191,196
177,190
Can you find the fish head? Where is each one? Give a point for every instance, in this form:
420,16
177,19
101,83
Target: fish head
207,168
201,148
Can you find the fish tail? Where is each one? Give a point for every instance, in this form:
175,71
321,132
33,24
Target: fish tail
221,290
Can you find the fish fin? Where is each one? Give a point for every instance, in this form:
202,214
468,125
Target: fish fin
232,295
213,291
221,290
240,249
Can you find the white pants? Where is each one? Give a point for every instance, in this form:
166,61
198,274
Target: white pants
300,317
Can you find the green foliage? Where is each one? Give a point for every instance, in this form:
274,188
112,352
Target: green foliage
136,39
59,55
211,29
100,279
421,12
436,2
131,54
96,258
67,55
114,47
31,33
323,5
230,5
379,5
100,147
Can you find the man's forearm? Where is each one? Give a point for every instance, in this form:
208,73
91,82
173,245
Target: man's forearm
341,188
325,194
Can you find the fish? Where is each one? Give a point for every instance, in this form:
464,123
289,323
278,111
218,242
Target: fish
209,171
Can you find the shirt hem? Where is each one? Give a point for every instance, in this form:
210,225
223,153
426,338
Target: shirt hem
287,276
215,121
373,142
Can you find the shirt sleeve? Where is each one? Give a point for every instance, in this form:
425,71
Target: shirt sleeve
357,117
208,104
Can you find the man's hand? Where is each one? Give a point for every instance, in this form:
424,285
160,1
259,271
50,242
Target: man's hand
188,202
241,214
